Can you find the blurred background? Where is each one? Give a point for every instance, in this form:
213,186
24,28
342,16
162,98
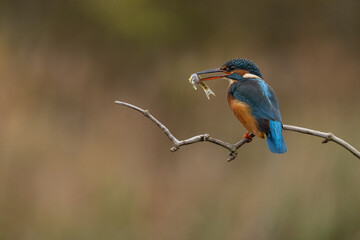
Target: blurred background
73,165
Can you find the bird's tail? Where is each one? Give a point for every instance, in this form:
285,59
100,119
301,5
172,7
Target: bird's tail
274,138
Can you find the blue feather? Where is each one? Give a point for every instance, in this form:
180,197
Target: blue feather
274,138
264,88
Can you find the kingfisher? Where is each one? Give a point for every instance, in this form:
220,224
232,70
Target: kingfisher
251,99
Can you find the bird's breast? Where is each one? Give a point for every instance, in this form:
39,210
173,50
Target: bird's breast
242,112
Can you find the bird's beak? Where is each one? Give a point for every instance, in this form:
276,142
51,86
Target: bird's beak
211,74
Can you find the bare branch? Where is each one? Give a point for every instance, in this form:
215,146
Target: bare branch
327,136
234,147
199,138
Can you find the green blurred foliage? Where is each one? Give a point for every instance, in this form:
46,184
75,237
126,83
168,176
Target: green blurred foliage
73,165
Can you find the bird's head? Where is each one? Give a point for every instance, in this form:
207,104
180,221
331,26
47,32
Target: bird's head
235,69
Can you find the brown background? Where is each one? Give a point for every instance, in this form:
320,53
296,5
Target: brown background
73,165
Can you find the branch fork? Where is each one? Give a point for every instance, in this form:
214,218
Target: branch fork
233,148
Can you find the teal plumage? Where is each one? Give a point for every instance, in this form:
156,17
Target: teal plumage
264,107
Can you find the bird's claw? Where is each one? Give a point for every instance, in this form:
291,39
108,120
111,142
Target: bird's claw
248,136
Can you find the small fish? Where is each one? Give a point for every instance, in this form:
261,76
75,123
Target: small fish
207,90
194,80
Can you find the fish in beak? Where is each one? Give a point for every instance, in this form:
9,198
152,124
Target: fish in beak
200,77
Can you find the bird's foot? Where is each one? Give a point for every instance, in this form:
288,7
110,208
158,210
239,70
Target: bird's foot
248,136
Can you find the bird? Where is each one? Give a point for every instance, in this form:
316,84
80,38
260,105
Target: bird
252,101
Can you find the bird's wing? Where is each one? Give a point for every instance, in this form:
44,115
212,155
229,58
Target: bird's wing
264,104
274,102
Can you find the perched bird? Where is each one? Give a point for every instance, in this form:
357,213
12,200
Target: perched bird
252,100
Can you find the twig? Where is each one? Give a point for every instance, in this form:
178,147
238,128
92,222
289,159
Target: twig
234,147
327,137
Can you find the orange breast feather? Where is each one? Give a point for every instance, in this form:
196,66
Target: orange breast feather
242,112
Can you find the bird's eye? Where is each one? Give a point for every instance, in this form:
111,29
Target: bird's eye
232,68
